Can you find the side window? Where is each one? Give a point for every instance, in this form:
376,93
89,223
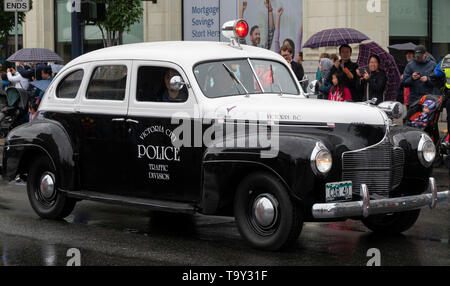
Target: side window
153,85
69,86
108,83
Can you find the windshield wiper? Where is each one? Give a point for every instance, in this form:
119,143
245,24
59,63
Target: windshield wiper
273,81
233,76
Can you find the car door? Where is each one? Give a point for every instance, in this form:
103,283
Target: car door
100,117
157,167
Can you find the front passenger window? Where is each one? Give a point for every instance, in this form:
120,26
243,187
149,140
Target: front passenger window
108,83
153,85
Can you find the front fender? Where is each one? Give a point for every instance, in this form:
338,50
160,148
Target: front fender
416,176
224,168
45,137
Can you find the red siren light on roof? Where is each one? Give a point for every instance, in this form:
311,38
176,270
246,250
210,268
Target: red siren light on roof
235,30
241,29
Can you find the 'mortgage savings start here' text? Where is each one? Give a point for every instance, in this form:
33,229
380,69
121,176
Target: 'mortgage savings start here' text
205,22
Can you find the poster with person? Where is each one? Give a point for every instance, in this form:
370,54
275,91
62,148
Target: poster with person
286,16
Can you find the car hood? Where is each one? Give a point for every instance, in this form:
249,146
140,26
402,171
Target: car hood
293,109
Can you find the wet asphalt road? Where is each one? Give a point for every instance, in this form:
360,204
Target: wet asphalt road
114,235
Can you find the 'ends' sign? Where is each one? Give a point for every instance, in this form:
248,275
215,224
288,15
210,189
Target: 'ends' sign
17,5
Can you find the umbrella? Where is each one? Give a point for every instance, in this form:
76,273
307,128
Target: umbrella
36,55
41,84
387,64
398,52
335,38
403,47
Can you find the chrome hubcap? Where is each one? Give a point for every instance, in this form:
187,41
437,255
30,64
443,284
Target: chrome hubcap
47,186
265,210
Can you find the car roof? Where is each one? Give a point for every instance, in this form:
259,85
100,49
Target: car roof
181,52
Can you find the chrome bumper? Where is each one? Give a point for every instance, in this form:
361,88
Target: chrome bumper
368,207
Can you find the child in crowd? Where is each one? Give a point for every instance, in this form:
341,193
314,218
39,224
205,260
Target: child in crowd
339,92
422,119
32,110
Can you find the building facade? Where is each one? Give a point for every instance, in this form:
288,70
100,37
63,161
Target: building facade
386,22
48,25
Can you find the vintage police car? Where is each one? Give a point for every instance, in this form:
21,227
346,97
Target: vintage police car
218,129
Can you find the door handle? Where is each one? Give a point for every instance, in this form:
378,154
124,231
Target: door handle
118,120
132,121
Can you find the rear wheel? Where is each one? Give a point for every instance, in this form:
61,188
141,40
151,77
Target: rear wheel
265,214
42,191
392,223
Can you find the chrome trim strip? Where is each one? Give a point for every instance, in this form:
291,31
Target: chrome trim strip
383,206
264,123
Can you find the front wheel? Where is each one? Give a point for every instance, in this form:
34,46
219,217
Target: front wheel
42,191
392,223
265,214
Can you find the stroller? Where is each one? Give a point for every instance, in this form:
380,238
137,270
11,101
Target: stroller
432,126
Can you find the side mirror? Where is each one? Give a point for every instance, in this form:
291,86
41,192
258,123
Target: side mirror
312,87
177,83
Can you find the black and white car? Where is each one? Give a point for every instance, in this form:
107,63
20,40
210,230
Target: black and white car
218,129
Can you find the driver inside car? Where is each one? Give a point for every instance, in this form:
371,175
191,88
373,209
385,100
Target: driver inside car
169,94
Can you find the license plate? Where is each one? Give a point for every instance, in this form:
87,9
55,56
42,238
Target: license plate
340,191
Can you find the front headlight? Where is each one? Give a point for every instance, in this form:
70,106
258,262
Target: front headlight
321,160
393,109
426,151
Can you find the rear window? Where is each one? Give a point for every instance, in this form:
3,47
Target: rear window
108,83
69,86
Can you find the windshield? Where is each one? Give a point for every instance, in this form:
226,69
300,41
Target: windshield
238,77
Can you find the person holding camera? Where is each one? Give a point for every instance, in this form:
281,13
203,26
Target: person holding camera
373,81
16,78
417,75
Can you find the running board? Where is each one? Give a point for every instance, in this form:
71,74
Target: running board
156,205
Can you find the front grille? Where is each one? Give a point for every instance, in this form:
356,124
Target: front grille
379,167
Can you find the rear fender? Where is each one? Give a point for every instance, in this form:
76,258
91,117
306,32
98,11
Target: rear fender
40,137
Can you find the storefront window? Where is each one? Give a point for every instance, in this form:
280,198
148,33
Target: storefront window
63,31
410,21
441,28
408,18
92,35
